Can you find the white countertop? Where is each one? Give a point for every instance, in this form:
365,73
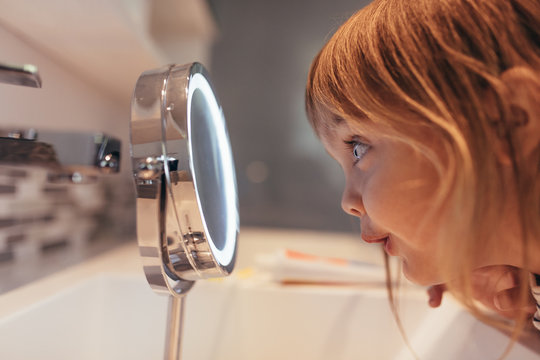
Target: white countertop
113,314
125,259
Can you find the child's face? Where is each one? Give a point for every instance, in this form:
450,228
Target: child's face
391,188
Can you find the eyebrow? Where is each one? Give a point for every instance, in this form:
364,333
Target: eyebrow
337,120
327,127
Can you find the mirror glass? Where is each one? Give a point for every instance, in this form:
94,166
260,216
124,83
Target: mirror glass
213,169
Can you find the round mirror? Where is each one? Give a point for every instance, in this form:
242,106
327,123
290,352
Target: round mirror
187,207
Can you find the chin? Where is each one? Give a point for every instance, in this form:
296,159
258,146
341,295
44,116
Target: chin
420,276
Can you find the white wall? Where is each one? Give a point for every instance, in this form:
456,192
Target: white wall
65,102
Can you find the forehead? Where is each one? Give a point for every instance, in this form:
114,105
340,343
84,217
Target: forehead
332,139
329,134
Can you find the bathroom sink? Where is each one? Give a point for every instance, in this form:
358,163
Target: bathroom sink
106,310
113,316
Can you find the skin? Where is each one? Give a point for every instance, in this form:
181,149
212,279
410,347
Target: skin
495,287
390,188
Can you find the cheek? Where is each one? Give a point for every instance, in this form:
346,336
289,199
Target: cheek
387,207
398,197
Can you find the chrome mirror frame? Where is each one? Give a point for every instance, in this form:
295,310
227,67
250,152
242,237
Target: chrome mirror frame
176,241
187,205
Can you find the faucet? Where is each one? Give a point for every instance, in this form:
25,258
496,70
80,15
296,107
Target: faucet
94,153
25,75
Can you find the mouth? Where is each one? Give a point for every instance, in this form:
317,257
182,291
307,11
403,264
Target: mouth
375,240
384,240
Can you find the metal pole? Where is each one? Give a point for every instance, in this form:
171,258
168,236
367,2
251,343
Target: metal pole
173,337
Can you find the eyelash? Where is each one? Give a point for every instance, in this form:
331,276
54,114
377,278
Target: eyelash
358,148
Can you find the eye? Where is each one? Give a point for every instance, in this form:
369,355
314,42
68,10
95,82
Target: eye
358,148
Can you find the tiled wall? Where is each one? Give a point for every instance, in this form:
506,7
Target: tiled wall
46,226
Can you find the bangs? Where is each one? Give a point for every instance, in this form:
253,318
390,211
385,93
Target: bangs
327,102
353,77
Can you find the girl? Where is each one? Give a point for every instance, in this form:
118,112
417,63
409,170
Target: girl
432,109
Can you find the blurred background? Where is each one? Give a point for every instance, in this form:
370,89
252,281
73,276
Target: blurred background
89,56
259,63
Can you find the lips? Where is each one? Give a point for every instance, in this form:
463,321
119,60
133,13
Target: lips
374,239
381,239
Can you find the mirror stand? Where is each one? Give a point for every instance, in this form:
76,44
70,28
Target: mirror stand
187,206
175,319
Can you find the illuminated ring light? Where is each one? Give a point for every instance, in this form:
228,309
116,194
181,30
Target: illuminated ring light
224,256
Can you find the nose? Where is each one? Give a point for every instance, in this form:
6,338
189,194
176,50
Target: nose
351,201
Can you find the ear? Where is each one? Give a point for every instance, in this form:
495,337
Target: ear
523,87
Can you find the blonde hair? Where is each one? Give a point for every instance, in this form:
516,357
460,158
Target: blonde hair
407,66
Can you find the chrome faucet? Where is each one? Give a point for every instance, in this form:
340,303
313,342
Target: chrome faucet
95,153
25,75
